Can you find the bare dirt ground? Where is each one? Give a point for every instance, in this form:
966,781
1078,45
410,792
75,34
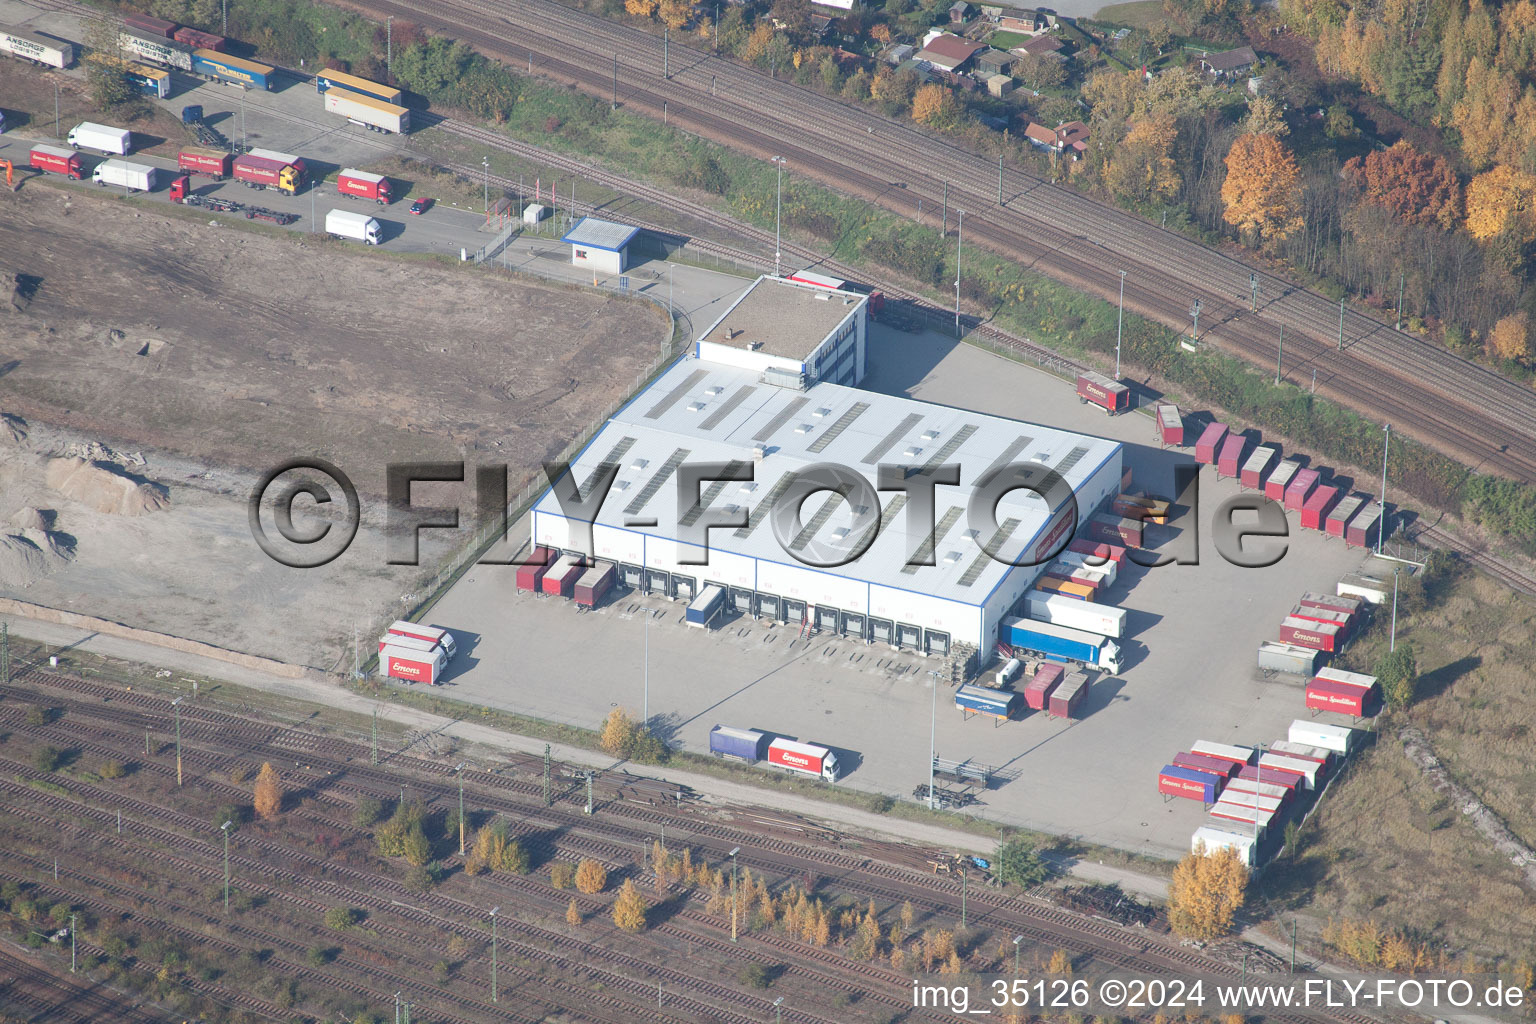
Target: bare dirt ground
217,353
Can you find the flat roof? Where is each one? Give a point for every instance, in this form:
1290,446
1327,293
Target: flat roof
600,234
702,411
783,318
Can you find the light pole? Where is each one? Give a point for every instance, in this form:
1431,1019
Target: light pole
389,44
176,707
778,205
493,953
225,829
224,9
1280,355
778,1010
1016,940
1341,325
71,943
734,851
1194,311
1386,443
485,189
397,1008
1392,636
56,111
964,874
460,769
1119,325
645,706
244,142
959,242
933,735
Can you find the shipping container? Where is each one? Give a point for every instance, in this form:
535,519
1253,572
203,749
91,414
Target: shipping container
1280,478
149,25
1337,618
1256,467
155,82
530,573
1300,661
562,576
213,163
264,172
413,643
1338,738
1307,771
1106,567
291,159
1071,574
58,160
1097,551
1201,763
1046,679
375,115
1210,839
1066,588
738,744
1300,489
594,584
87,135
221,67
1087,615
1110,395
1115,529
1363,530
1061,644
1170,424
1008,673
364,185
156,49
37,48
1368,588
1210,442
1305,752
413,665
199,40
1271,789
999,704
1314,513
1322,636
1229,459
429,634
328,78
359,227
1238,755
1141,507
1252,816
803,758
1270,777
1188,783
1238,797
133,177
1342,513
1067,699
708,606
1350,606
1359,680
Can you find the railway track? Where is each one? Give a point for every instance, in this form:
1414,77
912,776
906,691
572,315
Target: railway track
45,996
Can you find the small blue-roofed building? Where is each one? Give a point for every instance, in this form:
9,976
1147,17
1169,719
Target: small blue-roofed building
601,244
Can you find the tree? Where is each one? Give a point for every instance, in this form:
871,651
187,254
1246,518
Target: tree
640,8
1040,71
674,13
561,874
495,850
1262,192
105,69
342,918
573,914
1160,34
1265,118
1339,124
1511,337
391,837
1502,202
1398,674
934,105
1417,188
591,876
1142,167
47,759
1017,861
268,793
629,908
1206,893
111,769
1060,963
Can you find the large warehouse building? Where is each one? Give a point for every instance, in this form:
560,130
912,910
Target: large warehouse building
767,405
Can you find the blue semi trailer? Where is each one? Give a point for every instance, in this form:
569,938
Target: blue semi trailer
999,704
1062,644
742,744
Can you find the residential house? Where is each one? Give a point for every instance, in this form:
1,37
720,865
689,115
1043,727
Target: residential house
1028,23
949,52
1232,62
993,61
1040,46
1070,138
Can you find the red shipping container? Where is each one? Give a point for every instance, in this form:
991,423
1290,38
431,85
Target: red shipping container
199,40
1229,459
1256,466
1039,689
1238,755
1270,777
211,162
1280,479
1314,514
412,665
1266,788
1300,489
1317,636
1237,812
1333,615
562,576
1170,424
1342,513
1174,780
1103,392
150,26
58,160
1200,763
529,575
1096,549
1068,697
593,584
1348,605
1209,444
1363,529
1326,695
1110,528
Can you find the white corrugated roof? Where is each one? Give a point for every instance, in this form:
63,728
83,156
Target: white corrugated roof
700,411
600,234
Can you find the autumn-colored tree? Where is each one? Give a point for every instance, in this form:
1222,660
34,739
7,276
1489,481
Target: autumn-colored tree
1262,192
1417,188
1265,118
1206,893
591,876
934,105
495,850
1511,337
674,13
1142,167
268,793
629,908
573,914
881,34
1040,71
758,42
640,8
1060,963
618,731
1502,201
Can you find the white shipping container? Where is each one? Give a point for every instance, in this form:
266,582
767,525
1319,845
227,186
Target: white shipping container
1078,560
1211,838
1367,588
1338,738
1280,657
1303,750
1338,675
534,212
376,114
1254,786
1074,614
89,135
1307,770
357,226
134,177
40,49
1225,751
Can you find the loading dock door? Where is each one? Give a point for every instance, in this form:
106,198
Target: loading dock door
881,630
741,600
794,610
766,606
631,575
686,587
937,641
658,581
907,635
852,625
827,618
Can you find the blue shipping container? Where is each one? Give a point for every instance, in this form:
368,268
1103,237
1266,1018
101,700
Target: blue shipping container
746,744
232,69
709,603
997,703
1062,644
1187,782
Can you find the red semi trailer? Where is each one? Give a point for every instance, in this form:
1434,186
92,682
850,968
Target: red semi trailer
1109,395
1325,615
1342,513
198,39
1300,489
1201,763
1364,528
1039,689
1269,777
1209,444
213,163
58,160
1067,698
148,25
1098,550
1314,514
530,573
562,576
1280,479
1317,636
1256,467
593,584
1170,424
412,664
1229,459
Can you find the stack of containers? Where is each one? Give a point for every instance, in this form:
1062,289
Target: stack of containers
1256,468
1038,692
1317,507
1229,458
1209,443
1280,479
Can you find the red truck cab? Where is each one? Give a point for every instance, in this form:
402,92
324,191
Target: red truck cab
180,188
